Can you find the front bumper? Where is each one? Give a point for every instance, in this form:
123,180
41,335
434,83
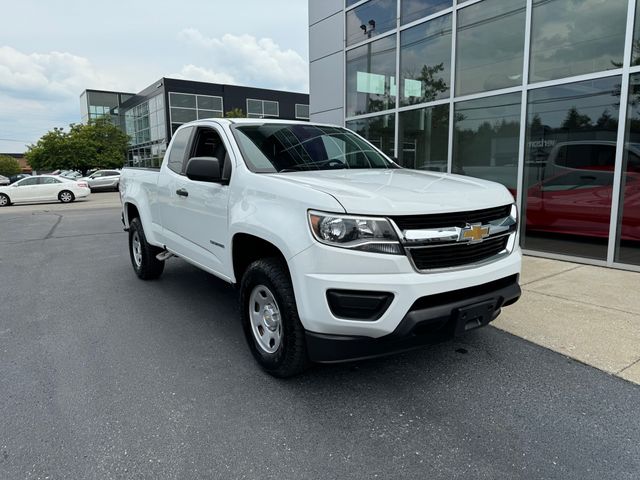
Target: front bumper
321,268
430,319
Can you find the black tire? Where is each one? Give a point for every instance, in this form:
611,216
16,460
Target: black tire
290,358
144,262
65,196
5,201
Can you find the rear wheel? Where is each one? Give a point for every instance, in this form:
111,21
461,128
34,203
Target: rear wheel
270,318
66,196
4,200
143,255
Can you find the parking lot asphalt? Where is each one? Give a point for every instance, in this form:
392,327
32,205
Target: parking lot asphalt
105,376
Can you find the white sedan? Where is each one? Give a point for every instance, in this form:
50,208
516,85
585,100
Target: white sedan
42,188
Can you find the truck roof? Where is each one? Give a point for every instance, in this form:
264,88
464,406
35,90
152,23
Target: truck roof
254,121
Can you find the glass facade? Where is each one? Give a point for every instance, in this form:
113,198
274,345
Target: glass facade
371,77
530,99
96,104
187,107
486,135
379,131
262,108
145,124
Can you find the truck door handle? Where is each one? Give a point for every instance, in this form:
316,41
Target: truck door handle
182,192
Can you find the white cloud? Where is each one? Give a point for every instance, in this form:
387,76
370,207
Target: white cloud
246,60
48,75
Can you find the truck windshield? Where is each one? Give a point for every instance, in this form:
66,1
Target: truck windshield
271,148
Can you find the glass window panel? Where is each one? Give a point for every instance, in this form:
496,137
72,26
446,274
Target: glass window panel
371,70
379,131
352,2
182,100
572,38
270,108
254,107
425,61
414,9
424,138
490,46
302,111
209,114
628,235
486,139
382,13
209,103
183,115
568,175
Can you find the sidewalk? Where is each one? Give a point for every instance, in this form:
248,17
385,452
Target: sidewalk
588,313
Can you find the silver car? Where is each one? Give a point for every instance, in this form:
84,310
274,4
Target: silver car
4,180
104,180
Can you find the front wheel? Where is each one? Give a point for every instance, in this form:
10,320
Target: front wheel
66,196
270,318
143,255
4,200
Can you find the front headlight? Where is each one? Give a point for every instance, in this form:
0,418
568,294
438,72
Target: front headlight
367,234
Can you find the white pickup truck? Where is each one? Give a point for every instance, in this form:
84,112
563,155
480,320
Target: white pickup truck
339,253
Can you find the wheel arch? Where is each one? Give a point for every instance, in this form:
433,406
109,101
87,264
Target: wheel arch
246,248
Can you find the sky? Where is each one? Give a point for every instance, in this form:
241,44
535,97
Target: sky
50,51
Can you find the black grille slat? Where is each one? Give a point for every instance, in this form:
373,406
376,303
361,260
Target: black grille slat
455,219
458,254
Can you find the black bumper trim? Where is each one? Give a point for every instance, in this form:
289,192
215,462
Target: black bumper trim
421,326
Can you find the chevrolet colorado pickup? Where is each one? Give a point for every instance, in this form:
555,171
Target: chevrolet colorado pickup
339,253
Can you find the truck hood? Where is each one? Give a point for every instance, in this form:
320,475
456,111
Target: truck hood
402,191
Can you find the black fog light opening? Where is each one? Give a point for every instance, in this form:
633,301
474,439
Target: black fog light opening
358,305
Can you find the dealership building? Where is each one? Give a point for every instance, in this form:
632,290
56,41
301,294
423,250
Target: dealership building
151,116
542,96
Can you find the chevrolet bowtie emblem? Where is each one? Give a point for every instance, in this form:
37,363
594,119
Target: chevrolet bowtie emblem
474,233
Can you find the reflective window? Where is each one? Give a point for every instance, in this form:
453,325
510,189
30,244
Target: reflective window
490,46
415,9
379,131
302,111
635,46
486,139
628,235
570,155
183,115
206,102
371,19
49,181
425,61
576,37
371,83
262,108
424,138
183,100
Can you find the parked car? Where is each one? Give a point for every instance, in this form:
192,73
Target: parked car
42,188
4,180
339,253
103,180
19,176
70,174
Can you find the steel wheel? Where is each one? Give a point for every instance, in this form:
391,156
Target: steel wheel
266,322
136,249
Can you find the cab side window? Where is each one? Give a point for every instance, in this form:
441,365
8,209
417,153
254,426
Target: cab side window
176,159
208,143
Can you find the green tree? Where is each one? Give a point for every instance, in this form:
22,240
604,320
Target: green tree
235,113
8,166
99,144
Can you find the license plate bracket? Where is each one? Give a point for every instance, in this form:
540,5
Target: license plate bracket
474,316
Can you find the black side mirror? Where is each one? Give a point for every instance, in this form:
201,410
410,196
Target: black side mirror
204,169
